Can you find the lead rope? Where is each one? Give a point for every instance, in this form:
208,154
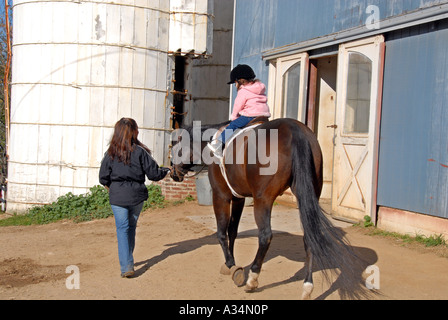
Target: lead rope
197,173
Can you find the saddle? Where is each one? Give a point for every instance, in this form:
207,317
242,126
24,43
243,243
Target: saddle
258,120
251,125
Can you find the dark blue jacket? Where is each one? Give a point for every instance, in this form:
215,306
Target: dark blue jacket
127,182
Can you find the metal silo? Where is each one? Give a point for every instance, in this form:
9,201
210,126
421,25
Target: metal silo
78,67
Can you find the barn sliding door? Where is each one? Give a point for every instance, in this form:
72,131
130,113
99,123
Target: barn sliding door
356,119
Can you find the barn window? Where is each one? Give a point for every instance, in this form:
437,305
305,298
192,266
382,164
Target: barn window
291,86
287,85
359,83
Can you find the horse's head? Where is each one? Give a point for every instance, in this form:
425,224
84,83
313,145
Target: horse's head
187,148
181,155
179,171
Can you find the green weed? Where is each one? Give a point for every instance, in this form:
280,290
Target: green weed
79,208
368,222
431,241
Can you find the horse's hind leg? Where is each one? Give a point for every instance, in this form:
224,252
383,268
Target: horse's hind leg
308,285
262,212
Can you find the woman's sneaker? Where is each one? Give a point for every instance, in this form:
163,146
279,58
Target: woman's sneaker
127,274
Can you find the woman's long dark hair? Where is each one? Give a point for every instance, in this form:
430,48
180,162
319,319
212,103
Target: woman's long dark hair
124,140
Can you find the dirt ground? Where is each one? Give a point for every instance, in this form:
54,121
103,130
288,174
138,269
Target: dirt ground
178,257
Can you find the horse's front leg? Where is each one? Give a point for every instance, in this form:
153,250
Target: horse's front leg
222,213
262,212
227,230
237,210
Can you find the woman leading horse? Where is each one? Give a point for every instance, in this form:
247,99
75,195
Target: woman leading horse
299,166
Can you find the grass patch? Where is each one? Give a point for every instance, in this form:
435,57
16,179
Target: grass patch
431,241
85,207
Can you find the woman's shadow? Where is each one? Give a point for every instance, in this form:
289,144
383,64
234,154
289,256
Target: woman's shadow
287,245
175,248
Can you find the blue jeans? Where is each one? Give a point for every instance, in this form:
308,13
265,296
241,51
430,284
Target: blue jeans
240,122
126,223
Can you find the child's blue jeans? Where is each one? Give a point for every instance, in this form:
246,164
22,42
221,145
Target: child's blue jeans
240,122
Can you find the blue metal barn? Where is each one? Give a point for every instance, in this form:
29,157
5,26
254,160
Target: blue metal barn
371,78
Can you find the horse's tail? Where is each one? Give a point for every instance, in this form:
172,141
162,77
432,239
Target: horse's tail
328,245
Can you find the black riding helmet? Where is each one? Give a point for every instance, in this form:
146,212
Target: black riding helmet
241,71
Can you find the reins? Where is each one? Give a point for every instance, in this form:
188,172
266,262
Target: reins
173,169
197,173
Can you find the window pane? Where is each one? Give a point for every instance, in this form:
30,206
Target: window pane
359,85
291,92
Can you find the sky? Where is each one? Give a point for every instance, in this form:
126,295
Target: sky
2,14
2,6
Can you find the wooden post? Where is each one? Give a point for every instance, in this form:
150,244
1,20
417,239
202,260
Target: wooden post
6,76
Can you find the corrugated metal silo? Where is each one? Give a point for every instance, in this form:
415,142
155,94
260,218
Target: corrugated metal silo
78,67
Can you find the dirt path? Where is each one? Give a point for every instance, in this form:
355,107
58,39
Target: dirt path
178,257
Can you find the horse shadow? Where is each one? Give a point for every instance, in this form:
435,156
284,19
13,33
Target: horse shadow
291,247
284,244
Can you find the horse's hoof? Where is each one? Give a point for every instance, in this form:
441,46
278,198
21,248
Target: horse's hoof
225,270
252,282
248,288
237,275
307,290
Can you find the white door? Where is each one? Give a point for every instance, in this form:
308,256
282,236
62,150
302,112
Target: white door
326,117
291,79
356,118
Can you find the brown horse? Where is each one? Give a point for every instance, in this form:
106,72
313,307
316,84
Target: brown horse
296,157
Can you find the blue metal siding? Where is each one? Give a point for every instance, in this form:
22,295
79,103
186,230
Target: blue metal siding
261,25
413,164
413,173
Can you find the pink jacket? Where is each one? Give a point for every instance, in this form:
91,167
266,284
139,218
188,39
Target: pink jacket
251,101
